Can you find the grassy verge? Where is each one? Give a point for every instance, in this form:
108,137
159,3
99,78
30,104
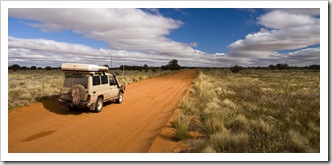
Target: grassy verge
28,86
254,111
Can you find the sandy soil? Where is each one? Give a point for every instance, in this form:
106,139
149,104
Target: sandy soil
128,127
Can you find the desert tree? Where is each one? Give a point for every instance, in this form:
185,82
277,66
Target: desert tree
282,66
314,67
15,67
172,65
236,68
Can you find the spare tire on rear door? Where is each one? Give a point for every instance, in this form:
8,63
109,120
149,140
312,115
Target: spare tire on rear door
77,93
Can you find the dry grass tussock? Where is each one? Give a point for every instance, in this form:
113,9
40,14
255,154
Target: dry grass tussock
181,126
255,111
28,86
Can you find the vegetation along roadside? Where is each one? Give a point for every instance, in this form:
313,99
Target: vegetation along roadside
251,110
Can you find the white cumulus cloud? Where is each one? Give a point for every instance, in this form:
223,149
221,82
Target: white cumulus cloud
279,19
284,30
123,29
129,29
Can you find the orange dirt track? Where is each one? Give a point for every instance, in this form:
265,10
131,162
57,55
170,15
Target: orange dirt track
130,127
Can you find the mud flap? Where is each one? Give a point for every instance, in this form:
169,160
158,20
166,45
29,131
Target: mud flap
92,107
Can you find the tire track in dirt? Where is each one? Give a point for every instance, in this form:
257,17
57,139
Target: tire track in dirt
130,127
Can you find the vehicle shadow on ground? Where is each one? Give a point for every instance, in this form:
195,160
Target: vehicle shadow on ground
51,104
55,107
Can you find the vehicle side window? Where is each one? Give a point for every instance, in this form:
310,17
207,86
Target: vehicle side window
95,80
112,81
104,80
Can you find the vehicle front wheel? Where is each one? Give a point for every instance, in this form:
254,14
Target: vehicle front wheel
120,98
99,104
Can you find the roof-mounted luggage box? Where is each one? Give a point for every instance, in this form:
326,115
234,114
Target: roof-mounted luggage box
82,67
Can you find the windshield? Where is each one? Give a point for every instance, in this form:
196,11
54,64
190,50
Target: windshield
71,80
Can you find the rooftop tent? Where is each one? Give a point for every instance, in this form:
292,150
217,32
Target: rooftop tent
82,67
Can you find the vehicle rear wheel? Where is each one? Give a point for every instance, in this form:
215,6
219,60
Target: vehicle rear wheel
99,104
120,98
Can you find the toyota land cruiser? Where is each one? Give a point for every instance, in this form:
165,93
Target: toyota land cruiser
87,85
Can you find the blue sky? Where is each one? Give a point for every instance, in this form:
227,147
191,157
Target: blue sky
218,37
212,29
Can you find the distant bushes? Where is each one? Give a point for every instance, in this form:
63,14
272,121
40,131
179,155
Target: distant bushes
138,68
279,66
16,67
172,65
236,68
284,66
314,67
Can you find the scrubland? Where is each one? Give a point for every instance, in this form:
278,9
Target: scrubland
28,86
255,111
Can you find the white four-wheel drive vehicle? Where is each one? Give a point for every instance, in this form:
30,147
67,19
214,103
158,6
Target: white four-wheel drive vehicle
89,86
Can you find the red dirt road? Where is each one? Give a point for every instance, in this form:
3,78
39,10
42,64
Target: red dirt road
130,127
